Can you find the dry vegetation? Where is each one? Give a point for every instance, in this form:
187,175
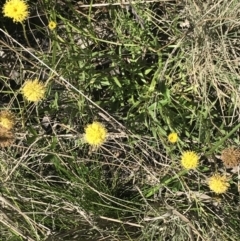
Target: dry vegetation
144,69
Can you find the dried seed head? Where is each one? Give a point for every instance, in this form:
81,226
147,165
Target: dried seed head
7,119
6,137
231,157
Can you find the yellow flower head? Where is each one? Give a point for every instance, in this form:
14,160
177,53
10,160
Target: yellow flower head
7,120
173,137
33,90
218,183
52,25
189,160
16,9
95,134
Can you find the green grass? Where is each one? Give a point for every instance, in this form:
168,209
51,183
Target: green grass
143,74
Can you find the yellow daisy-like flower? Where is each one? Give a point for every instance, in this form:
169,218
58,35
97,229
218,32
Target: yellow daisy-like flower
52,25
16,9
95,134
189,160
173,137
33,90
7,119
218,183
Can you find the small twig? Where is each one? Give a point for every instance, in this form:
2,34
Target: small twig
119,4
119,221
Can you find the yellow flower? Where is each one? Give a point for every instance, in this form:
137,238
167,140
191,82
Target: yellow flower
189,160
173,137
7,119
33,90
218,183
16,9
95,134
52,25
